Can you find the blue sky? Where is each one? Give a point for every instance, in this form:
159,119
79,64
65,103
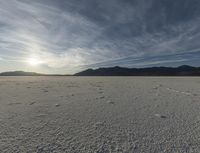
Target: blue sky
67,36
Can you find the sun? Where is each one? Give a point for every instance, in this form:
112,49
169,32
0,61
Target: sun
34,61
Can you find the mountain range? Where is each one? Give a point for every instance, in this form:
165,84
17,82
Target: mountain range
183,70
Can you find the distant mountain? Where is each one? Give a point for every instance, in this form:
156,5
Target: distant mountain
20,73
183,70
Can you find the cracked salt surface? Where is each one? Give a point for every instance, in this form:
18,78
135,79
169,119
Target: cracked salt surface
137,114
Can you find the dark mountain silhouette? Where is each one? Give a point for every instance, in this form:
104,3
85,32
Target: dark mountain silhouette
20,73
183,70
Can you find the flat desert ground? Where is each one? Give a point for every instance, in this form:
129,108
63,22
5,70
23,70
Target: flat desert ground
99,114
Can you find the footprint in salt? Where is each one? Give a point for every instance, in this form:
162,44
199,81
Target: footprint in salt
110,102
45,90
102,97
57,105
100,92
14,104
32,103
160,116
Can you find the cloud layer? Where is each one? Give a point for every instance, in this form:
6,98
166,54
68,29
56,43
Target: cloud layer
69,35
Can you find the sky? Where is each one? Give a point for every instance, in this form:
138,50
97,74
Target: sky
67,36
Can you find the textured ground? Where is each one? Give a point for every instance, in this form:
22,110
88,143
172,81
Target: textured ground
99,114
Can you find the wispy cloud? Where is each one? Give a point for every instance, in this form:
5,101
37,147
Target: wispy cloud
74,34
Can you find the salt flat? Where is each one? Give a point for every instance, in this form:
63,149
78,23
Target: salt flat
99,114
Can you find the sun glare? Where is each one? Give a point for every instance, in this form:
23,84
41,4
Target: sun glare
34,61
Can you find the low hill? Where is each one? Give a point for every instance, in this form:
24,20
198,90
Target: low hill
20,73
